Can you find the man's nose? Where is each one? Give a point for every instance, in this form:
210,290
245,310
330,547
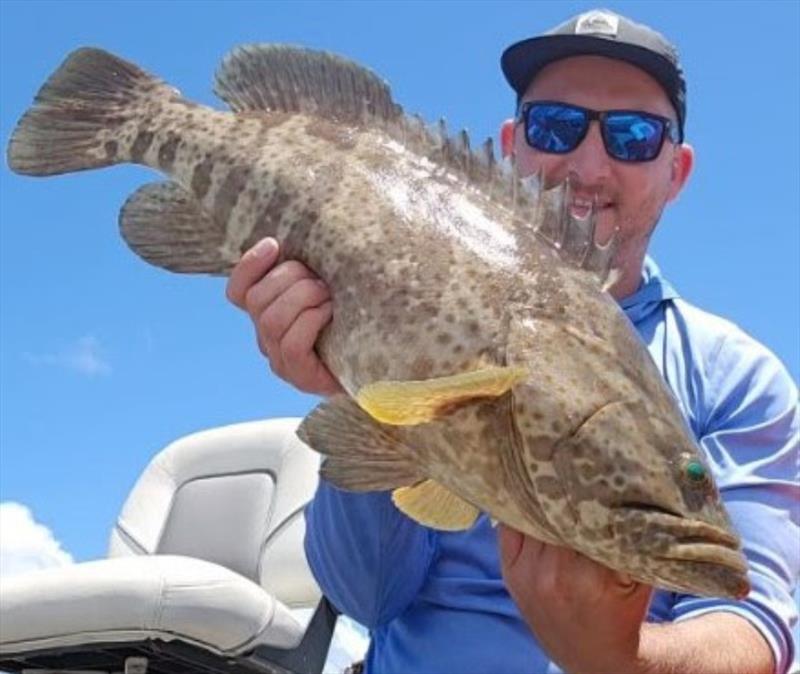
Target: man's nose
589,161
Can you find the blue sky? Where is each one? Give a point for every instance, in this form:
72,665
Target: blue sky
104,359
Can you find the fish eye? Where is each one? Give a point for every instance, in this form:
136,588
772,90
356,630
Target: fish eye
696,482
696,472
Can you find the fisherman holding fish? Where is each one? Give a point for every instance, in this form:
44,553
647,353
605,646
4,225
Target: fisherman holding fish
436,601
490,345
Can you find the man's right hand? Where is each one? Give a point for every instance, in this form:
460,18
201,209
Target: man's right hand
289,306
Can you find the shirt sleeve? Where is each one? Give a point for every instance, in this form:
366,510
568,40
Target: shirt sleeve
369,559
751,438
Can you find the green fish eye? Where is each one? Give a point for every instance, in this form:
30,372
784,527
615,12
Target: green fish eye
696,471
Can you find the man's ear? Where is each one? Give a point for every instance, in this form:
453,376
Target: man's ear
682,163
507,137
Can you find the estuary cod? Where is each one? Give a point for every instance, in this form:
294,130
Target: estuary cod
486,367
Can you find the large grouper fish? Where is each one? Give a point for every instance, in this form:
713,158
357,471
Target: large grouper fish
486,366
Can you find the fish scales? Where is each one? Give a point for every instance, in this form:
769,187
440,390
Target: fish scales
485,366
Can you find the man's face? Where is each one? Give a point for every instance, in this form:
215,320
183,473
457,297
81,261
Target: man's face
630,196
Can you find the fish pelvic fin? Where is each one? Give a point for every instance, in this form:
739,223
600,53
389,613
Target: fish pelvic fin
435,506
284,78
165,225
407,403
77,117
360,453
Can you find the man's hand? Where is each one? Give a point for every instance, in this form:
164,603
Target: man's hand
289,306
586,617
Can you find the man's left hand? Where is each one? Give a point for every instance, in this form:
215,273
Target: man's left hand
585,616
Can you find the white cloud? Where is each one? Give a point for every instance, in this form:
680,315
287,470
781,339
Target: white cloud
86,356
26,545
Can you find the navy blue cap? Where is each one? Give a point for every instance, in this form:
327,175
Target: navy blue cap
600,32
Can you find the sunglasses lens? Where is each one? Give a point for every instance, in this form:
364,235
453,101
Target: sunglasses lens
633,136
555,128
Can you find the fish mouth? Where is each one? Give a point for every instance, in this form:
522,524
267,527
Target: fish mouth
709,553
710,570
692,540
711,559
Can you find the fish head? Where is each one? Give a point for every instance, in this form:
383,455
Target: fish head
644,501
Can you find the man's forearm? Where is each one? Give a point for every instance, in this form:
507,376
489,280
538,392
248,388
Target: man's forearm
714,643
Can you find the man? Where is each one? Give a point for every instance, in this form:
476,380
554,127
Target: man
436,602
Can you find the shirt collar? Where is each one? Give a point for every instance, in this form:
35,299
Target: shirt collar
653,290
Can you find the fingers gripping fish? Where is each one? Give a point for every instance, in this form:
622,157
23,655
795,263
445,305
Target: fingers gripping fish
486,367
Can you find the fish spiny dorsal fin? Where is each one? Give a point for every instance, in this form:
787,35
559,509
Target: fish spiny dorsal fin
506,188
420,128
282,78
444,144
451,152
528,199
413,133
441,130
571,236
463,153
486,161
552,211
514,185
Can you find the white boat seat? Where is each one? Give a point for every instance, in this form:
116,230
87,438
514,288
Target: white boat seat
205,562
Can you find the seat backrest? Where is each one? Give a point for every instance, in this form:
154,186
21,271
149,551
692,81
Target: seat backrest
234,496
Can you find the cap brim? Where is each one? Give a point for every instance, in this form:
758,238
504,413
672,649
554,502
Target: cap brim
523,60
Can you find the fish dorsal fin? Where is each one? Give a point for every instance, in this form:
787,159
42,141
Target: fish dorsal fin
572,237
546,212
453,152
284,78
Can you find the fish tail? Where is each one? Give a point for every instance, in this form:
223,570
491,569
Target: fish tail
84,116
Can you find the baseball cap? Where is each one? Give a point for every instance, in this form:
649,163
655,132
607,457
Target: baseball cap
600,32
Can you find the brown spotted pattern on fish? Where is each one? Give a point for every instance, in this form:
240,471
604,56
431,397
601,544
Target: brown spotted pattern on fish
486,368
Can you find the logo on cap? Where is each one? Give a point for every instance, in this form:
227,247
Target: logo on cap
597,23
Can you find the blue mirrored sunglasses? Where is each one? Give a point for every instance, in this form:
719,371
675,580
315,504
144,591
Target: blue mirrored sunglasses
628,135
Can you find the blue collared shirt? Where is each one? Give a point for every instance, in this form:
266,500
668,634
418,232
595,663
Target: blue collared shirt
435,601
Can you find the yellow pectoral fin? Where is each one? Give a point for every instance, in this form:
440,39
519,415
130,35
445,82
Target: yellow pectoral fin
435,506
406,403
